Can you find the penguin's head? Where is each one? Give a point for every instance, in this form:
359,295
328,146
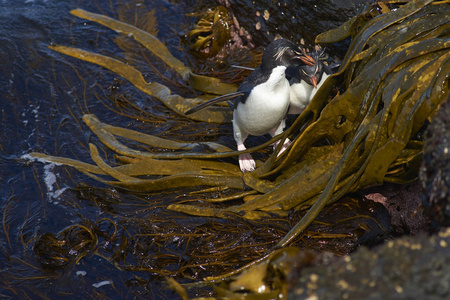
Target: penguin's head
313,74
282,52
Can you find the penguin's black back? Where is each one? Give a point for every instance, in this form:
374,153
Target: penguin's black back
257,77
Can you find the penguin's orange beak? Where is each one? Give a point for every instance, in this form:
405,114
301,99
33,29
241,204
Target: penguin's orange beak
307,60
314,81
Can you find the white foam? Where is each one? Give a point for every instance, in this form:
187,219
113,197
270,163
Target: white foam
49,176
102,283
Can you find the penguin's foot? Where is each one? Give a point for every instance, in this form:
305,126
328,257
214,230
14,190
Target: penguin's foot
246,163
286,144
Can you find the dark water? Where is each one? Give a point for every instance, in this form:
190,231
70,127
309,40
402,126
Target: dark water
43,95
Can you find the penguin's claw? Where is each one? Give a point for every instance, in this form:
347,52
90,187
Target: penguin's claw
246,163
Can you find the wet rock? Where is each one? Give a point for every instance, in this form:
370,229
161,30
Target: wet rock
406,268
404,204
295,20
435,169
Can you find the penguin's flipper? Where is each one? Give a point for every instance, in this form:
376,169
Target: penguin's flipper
212,101
332,68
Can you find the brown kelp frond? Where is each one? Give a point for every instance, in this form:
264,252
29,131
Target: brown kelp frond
211,32
141,235
6,216
175,102
127,176
199,82
67,247
102,128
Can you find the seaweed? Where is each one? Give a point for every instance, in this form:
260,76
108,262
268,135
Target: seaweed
393,79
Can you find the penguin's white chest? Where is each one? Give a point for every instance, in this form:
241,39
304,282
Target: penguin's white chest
266,106
300,96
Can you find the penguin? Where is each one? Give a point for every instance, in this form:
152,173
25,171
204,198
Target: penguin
262,100
305,80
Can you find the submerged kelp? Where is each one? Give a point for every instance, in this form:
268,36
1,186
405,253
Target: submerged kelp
393,78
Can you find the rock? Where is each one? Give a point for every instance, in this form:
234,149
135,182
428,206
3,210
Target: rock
294,20
404,204
435,168
405,268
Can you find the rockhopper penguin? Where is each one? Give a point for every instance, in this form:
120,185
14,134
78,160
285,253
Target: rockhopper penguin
262,100
305,80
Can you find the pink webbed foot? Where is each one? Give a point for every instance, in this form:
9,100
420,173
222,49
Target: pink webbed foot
246,163
286,144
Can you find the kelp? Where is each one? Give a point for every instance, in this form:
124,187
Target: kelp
392,81
138,235
174,102
211,32
202,83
